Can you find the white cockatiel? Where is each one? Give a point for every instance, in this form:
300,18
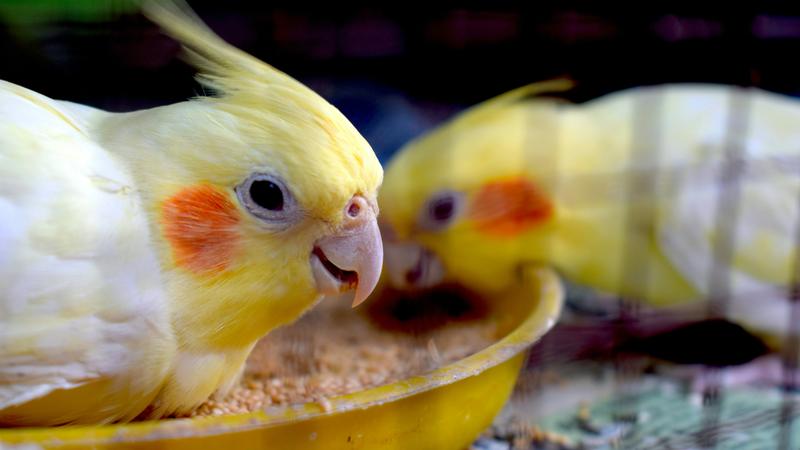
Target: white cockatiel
143,254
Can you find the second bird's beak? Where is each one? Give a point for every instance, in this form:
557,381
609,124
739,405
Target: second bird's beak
410,266
352,258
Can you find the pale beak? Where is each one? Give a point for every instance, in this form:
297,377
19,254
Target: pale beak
352,258
409,265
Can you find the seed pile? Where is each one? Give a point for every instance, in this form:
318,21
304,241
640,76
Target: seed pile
334,350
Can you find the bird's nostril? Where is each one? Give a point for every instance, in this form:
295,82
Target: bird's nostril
354,209
357,207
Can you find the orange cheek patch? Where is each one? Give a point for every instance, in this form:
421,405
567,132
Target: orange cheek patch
199,222
509,207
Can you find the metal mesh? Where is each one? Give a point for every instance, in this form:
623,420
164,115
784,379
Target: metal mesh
720,417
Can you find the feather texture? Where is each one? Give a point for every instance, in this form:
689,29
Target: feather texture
80,286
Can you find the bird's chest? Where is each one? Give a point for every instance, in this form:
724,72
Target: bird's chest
617,252
197,375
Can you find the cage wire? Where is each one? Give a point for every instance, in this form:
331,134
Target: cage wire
723,413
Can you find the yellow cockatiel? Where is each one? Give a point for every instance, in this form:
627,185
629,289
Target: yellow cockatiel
665,194
143,254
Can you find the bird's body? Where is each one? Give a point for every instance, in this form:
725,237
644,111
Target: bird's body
73,231
641,194
144,253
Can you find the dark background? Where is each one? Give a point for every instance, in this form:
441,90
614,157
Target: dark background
397,69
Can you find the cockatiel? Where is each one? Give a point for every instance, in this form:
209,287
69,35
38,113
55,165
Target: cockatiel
667,194
145,253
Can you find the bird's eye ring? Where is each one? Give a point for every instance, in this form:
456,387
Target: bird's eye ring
267,197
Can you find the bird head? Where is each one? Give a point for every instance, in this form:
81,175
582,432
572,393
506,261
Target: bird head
262,194
461,202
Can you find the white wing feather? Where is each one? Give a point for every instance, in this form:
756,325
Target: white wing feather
81,297
766,216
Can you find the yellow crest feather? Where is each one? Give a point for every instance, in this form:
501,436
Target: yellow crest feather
261,96
529,90
221,65
228,71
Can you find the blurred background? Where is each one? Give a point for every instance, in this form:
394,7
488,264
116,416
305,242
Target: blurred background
396,70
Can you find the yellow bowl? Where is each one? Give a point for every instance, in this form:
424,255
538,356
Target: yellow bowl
444,409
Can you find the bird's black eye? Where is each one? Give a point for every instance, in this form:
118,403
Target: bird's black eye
267,197
440,209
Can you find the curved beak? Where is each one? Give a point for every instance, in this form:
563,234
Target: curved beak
409,265
352,258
